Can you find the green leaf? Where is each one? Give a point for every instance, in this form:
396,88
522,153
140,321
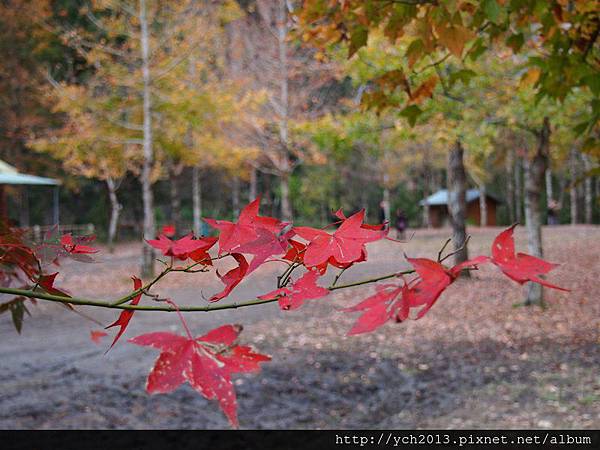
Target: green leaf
464,75
411,113
492,10
358,39
515,42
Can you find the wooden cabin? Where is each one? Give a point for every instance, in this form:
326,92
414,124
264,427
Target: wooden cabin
438,208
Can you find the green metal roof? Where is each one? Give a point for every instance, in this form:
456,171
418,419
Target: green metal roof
10,175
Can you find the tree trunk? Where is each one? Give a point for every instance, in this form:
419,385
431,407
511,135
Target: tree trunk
196,200
147,194
518,191
510,185
549,188
588,191
483,212
115,212
426,193
534,180
284,162
235,196
175,198
253,190
573,190
457,204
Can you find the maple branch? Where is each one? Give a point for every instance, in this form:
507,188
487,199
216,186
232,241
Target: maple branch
458,250
120,304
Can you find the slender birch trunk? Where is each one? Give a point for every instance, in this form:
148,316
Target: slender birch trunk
235,196
253,189
549,187
483,212
175,197
457,205
284,159
426,193
588,189
534,180
115,212
573,190
196,200
518,190
147,194
510,185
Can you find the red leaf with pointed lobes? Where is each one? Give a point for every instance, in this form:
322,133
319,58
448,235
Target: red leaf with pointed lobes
340,215
205,362
305,288
267,244
233,235
232,278
96,336
385,304
434,278
126,314
47,283
345,246
201,253
520,267
183,248
73,247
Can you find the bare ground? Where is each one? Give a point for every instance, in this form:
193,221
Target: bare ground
475,361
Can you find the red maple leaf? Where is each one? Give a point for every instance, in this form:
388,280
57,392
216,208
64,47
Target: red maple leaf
390,301
96,336
127,314
205,362
47,283
434,278
259,236
201,253
345,246
266,244
295,253
73,246
233,235
232,278
305,288
519,267
182,248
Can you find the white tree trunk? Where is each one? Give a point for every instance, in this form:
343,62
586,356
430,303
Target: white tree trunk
549,188
253,189
573,190
386,194
196,200
147,194
483,212
588,189
518,191
235,196
510,185
284,160
115,212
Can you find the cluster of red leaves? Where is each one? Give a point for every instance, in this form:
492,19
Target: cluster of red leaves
207,362
394,301
22,264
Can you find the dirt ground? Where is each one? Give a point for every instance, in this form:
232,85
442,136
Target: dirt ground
477,360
